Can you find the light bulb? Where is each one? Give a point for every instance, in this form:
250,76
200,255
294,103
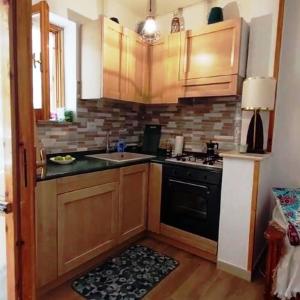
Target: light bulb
150,25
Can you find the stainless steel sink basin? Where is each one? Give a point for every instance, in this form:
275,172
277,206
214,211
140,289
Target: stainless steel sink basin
121,156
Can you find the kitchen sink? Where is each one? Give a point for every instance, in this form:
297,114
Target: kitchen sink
120,157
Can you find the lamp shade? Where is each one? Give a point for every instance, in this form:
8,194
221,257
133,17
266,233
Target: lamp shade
259,93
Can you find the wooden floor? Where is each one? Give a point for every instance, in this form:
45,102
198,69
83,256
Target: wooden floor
195,278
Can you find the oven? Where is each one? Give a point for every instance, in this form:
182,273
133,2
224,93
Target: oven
191,199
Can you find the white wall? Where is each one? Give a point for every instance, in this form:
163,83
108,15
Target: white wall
125,15
89,9
286,157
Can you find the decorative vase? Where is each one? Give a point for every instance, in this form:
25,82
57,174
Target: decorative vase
177,21
215,15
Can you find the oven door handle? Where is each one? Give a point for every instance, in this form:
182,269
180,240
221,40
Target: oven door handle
191,184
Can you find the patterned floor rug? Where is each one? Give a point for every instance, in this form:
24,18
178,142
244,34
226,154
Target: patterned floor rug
129,276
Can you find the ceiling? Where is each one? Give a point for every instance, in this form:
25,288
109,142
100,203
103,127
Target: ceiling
140,7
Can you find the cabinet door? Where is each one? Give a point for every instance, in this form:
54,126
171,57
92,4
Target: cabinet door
141,74
101,42
111,59
173,88
212,51
157,72
87,224
134,73
133,199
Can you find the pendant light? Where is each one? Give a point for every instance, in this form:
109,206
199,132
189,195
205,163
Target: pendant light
150,33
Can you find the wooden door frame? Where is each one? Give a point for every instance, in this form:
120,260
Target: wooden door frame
279,34
20,176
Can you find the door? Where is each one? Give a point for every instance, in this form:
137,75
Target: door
17,161
87,224
133,200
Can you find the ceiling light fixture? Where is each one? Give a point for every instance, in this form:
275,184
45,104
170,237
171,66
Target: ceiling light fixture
150,33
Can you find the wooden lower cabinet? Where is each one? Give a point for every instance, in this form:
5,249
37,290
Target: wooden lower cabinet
133,200
87,224
80,217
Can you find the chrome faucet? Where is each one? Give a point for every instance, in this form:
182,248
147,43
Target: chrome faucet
107,142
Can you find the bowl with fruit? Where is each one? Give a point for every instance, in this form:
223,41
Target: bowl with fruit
63,160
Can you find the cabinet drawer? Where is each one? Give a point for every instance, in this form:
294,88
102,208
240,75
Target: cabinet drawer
77,182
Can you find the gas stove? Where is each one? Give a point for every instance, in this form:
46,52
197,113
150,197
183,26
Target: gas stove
198,159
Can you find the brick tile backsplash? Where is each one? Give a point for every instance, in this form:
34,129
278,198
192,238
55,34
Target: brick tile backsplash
198,122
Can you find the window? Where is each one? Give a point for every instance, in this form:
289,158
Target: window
56,69
47,63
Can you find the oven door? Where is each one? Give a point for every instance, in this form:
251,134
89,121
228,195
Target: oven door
191,206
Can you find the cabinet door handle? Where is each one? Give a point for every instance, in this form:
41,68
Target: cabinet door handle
5,207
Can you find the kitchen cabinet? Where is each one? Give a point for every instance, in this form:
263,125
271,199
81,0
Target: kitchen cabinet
135,70
154,199
87,217
157,72
165,58
101,57
213,60
80,217
87,224
114,62
133,200
118,64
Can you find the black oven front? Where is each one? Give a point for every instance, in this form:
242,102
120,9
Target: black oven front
191,199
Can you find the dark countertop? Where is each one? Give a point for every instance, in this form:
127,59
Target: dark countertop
83,165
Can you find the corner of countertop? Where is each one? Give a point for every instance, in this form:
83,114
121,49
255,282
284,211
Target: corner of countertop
248,156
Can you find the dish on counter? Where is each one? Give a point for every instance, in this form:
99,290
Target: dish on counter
63,160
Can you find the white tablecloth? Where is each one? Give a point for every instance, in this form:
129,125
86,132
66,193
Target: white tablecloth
287,277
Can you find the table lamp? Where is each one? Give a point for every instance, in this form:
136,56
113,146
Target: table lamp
258,95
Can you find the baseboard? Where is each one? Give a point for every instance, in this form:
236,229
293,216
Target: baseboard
183,246
234,270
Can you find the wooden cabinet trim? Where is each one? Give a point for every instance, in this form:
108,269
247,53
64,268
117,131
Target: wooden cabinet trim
190,239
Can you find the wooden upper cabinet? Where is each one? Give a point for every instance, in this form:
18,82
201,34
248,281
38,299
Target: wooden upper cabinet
173,89
112,58
135,68
118,64
214,59
133,200
157,72
165,85
114,62
101,55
